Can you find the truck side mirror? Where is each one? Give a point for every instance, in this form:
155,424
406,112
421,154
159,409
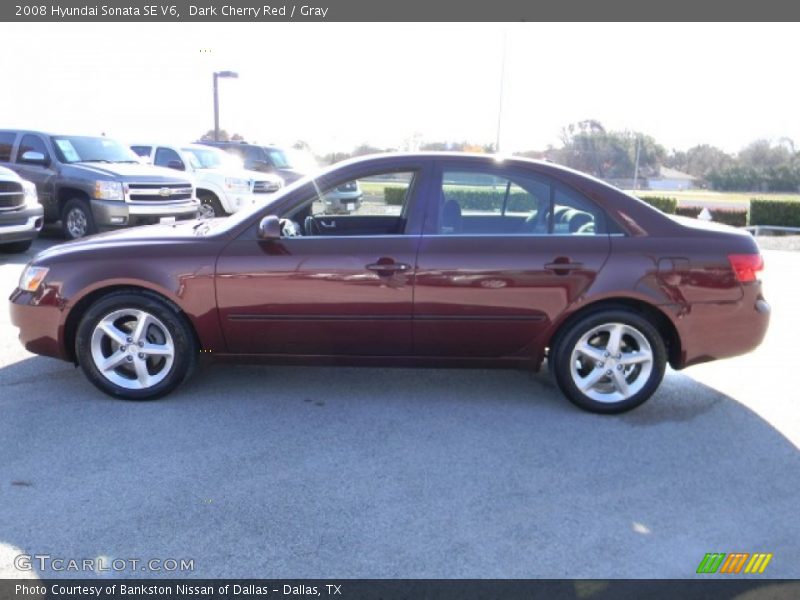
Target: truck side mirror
177,165
35,158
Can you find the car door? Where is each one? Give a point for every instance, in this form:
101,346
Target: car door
500,259
40,172
348,294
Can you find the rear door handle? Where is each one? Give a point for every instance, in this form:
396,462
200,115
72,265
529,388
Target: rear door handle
562,265
330,225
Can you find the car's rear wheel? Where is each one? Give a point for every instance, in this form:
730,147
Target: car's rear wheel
77,220
134,346
609,361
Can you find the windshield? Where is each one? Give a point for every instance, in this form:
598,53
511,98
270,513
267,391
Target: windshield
279,158
211,158
72,149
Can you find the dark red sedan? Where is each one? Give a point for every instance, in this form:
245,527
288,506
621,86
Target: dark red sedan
450,260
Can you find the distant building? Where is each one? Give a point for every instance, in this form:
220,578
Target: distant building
670,180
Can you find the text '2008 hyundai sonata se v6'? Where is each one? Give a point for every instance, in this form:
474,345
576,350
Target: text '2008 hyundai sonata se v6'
450,260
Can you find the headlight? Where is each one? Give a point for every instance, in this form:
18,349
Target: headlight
31,198
234,183
108,190
32,277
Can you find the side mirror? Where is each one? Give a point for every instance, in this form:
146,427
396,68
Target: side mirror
177,165
36,158
269,228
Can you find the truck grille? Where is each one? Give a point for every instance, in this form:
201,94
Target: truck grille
265,187
11,195
158,192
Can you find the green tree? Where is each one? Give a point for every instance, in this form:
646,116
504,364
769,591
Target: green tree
589,147
699,160
223,136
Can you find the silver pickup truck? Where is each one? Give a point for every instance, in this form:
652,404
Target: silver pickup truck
95,183
21,215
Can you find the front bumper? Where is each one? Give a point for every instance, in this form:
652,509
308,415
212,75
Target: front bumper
21,225
39,319
111,213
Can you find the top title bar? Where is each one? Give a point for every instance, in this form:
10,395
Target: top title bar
397,10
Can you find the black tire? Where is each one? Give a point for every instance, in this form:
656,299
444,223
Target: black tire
183,340
16,247
83,225
210,203
564,346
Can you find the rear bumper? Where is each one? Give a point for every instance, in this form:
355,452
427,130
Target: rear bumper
21,225
112,214
709,331
342,202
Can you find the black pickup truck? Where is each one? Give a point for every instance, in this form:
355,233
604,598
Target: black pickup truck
95,183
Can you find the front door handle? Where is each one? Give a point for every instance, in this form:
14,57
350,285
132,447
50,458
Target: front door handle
562,265
387,266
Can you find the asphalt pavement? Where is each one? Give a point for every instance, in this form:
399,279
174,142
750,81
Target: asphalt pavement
326,472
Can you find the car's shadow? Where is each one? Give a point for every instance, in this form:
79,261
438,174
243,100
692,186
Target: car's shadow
346,472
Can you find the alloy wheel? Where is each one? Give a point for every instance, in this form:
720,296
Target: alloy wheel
77,223
206,211
611,362
132,349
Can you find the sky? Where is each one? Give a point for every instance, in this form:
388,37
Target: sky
338,85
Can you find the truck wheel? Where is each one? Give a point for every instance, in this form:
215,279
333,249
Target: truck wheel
210,206
16,247
77,220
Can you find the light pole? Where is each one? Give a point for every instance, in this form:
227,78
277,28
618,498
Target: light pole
500,101
217,75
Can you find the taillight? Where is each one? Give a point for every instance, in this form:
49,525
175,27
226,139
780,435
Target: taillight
746,266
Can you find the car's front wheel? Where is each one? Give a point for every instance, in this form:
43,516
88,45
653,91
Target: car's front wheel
610,361
210,206
134,346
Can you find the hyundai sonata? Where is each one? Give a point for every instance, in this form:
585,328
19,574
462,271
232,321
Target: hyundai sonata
450,260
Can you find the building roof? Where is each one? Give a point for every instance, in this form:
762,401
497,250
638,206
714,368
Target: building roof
667,173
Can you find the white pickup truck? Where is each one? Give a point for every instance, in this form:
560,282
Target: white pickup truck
223,186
